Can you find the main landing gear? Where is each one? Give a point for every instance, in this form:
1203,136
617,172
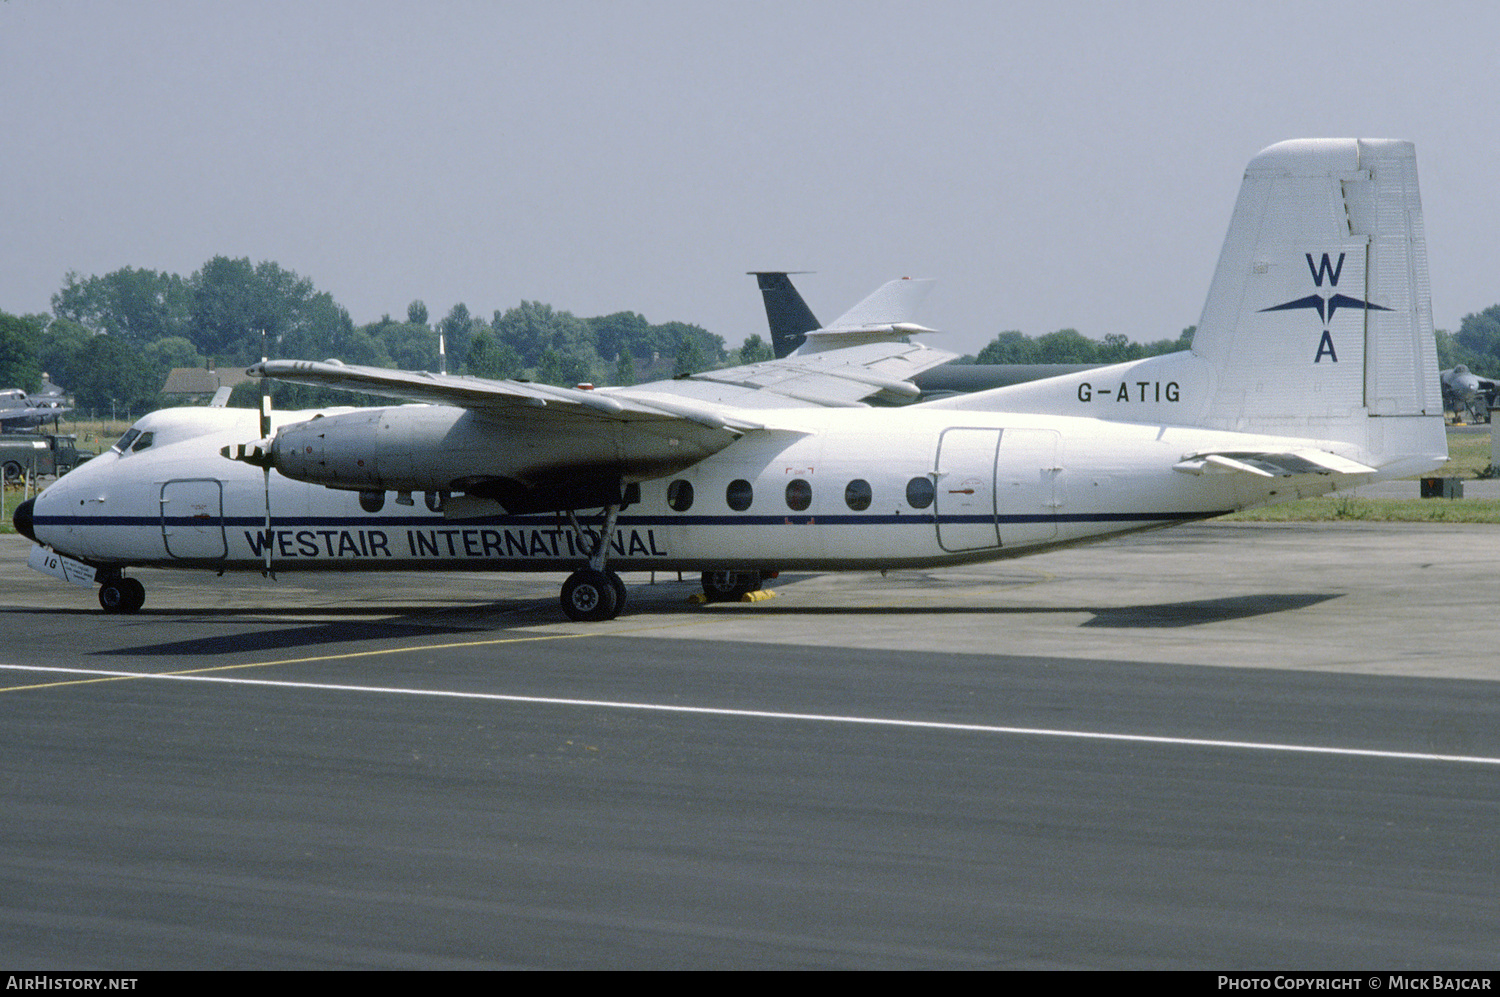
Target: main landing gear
730,586
594,593
119,594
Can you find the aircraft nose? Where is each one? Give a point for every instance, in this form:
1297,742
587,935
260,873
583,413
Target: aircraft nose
22,519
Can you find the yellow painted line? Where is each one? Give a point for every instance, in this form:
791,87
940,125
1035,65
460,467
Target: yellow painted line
336,657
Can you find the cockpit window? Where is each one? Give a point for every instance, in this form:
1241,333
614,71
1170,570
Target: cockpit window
126,440
145,440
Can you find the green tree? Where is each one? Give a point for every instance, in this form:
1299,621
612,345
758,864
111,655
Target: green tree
58,349
621,333
112,375
18,353
532,328
1182,342
1066,346
689,358
625,369
458,330
137,306
565,369
416,312
1117,348
411,347
1007,348
488,357
233,302
672,337
173,351
1479,335
755,350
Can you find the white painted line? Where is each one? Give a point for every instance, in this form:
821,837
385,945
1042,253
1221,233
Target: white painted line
1193,742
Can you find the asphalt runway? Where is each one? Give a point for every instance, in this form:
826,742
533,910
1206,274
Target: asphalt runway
1219,747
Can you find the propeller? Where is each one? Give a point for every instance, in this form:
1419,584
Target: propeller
265,434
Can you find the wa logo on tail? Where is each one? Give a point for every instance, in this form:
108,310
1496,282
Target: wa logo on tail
1325,306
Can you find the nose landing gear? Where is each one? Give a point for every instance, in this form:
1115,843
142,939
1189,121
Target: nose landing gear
122,595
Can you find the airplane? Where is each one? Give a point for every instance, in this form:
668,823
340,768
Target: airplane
1464,392
19,410
1313,368
791,320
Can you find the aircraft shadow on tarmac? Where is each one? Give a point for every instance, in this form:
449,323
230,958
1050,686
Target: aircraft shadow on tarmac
429,622
317,635
1159,615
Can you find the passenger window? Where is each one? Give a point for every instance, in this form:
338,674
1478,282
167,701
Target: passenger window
798,495
127,439
145,440
857,495
739,495
920,492
680,495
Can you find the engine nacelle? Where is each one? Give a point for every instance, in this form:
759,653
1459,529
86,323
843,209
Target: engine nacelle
410,448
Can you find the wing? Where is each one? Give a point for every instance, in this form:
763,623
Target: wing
714,398
536,448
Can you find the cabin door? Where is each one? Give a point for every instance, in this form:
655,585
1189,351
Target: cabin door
192,519
966,489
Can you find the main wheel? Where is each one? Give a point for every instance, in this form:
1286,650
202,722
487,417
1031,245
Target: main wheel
589,596
619,587
728,586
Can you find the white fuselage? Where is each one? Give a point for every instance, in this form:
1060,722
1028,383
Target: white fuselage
834,489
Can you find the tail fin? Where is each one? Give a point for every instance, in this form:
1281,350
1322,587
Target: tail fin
787,314
1318,323
1320,306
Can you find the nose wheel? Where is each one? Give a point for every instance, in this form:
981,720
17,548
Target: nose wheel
122,595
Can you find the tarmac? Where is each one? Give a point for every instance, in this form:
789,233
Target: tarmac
1221,747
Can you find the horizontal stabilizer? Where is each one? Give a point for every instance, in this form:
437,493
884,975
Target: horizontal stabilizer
884,316
1271,465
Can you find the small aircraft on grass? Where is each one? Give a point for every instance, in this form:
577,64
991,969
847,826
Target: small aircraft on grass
1313,368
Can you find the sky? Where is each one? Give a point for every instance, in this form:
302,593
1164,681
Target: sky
1062,165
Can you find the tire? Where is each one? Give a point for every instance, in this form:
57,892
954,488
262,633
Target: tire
135,595
122,595
12,470
620,591
588,596
728,586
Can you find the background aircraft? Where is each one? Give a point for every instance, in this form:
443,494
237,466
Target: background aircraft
1466,393
790,320
18,410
